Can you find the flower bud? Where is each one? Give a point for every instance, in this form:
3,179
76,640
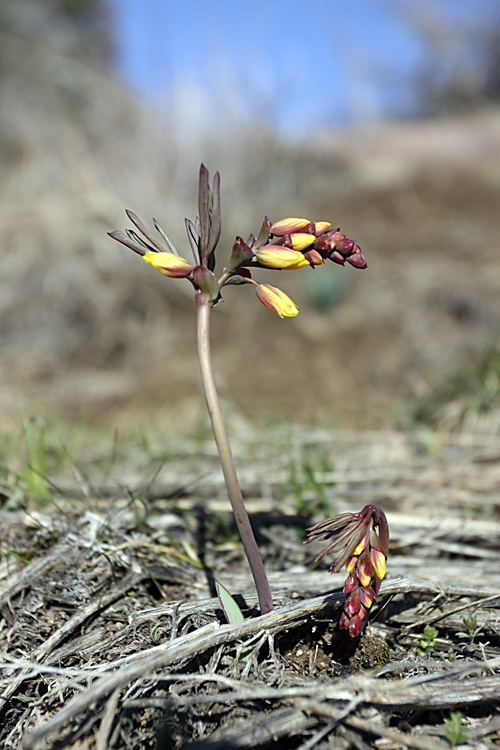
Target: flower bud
356,259
264,233
324,244
320,227
367,596
298,242
314,258
364,572
288,226
355,626
336,236
352,604
363,543
378,561
275,256
351,583
241,254
345,246
169,264
344,621
277,301
338,258
351,563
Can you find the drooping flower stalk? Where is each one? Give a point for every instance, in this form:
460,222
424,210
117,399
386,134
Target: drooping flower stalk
361,543
289,244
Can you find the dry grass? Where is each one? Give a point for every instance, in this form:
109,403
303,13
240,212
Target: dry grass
109,639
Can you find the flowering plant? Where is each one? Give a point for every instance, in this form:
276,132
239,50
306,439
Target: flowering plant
289,244
361,543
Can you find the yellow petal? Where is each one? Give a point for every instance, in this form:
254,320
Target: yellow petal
359,549
275,256
314,258
288,226
277,301
351,563
302,241
320,227
378,562
169,264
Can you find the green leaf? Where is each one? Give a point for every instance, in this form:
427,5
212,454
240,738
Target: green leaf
231,610
455,732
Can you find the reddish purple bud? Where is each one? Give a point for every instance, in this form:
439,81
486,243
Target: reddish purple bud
351,583
319,227
345,246
336,236
314,258
351,563
364,571
367,596
357,260
241,254
352,604
338,258
324,244
355,626
363,615
263,237
344,622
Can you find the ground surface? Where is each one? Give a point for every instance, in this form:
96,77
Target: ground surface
111,636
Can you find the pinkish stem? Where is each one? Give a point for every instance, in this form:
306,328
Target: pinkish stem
204,309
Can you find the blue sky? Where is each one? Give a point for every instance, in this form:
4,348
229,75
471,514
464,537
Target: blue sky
301,66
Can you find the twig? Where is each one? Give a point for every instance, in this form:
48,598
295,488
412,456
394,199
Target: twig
107,721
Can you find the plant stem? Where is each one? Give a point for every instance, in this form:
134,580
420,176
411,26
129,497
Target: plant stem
204,309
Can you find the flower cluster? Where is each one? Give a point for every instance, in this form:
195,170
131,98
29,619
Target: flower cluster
298,242
360,542
289,244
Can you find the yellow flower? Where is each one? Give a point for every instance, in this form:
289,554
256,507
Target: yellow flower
288,226
169,264
301,241
275,256
277,301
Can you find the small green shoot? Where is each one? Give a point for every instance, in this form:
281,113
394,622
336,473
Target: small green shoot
427,640
232,612
471,629
455,732
308,485
36,471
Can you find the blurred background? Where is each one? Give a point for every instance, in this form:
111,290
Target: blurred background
383,118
